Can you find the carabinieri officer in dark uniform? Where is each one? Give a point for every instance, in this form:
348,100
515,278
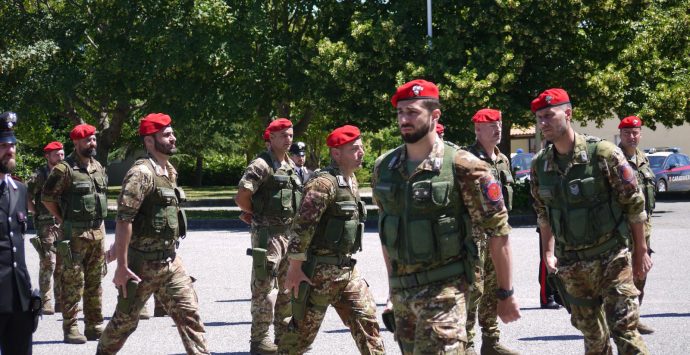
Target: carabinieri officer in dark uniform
16,317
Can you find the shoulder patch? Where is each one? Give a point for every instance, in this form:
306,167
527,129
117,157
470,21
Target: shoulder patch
626,172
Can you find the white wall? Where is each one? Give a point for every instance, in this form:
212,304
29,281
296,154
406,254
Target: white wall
663,137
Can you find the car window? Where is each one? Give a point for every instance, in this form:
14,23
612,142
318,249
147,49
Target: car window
522,160
683,159
656,162
672,160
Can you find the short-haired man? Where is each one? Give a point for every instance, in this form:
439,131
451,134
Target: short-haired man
584,193
75,193
298,152
631,133
147,235
487,129
268,194
430,196
327,231
50,266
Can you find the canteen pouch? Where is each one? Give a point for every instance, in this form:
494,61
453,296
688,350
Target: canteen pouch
62,248
299,304
556,283
36,243
388,318
182,223
259,263
124,305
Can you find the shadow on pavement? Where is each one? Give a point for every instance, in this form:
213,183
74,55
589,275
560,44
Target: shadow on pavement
47,342
554,338
222,324
666,315
337,331
235,301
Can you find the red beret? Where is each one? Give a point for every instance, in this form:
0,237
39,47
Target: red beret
82,131
486,115
279,125
630,122
52,146
549,98
267,135
342,135
439,128
152,123
415,89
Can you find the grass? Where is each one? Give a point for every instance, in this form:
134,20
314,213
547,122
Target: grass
193,193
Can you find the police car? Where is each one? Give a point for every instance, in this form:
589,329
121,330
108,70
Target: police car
521,162
672,169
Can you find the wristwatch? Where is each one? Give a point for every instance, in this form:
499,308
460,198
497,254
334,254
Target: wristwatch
503,294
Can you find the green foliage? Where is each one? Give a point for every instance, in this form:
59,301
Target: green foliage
522,202
218,169
27,163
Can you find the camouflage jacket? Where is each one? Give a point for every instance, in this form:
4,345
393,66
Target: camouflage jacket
613,166
256,173
473,179
34,189
319,194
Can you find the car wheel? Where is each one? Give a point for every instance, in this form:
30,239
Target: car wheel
661,186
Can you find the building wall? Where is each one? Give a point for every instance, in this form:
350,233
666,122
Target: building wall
661,137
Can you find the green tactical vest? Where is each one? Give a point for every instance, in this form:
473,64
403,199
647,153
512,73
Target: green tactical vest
42,212
500,170
342,224
85,202
580,205
645,179
159,220
422,220
280,195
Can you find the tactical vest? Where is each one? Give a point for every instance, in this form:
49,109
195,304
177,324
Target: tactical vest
280,194
342,224
501,172
422,220
159,219
42,212
580,205
85,203
645,179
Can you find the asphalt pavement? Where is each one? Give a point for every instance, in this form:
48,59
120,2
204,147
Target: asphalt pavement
217,259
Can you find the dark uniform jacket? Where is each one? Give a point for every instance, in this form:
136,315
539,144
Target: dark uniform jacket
15,283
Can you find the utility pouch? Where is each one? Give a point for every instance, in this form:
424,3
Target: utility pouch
182,222
37,245
259,263
556,283
299,304
388,318
36,308
63,249
124,305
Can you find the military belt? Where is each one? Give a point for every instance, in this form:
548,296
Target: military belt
338,260
426,277
45,217
590,253
86,224
158,255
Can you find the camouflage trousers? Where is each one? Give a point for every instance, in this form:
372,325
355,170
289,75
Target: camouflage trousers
173,286
640,283
82,279
262,309
610,280
482,302
349,294
431,319
50,264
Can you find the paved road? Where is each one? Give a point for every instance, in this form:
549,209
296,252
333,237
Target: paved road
217,259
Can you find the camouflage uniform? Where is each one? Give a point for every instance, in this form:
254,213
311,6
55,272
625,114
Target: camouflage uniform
645,180
483,291
274,231
430,315
597,276
164,275
50,265
83,277
338,285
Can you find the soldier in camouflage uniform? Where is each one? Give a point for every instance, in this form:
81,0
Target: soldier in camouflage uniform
430,196
631,133
268,194
75,194
327,230
487,128
587,202
50,266
149,226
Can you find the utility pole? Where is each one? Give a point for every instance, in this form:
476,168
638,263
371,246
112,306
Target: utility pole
428,21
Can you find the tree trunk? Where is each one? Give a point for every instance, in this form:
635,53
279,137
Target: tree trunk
110,130
199,171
